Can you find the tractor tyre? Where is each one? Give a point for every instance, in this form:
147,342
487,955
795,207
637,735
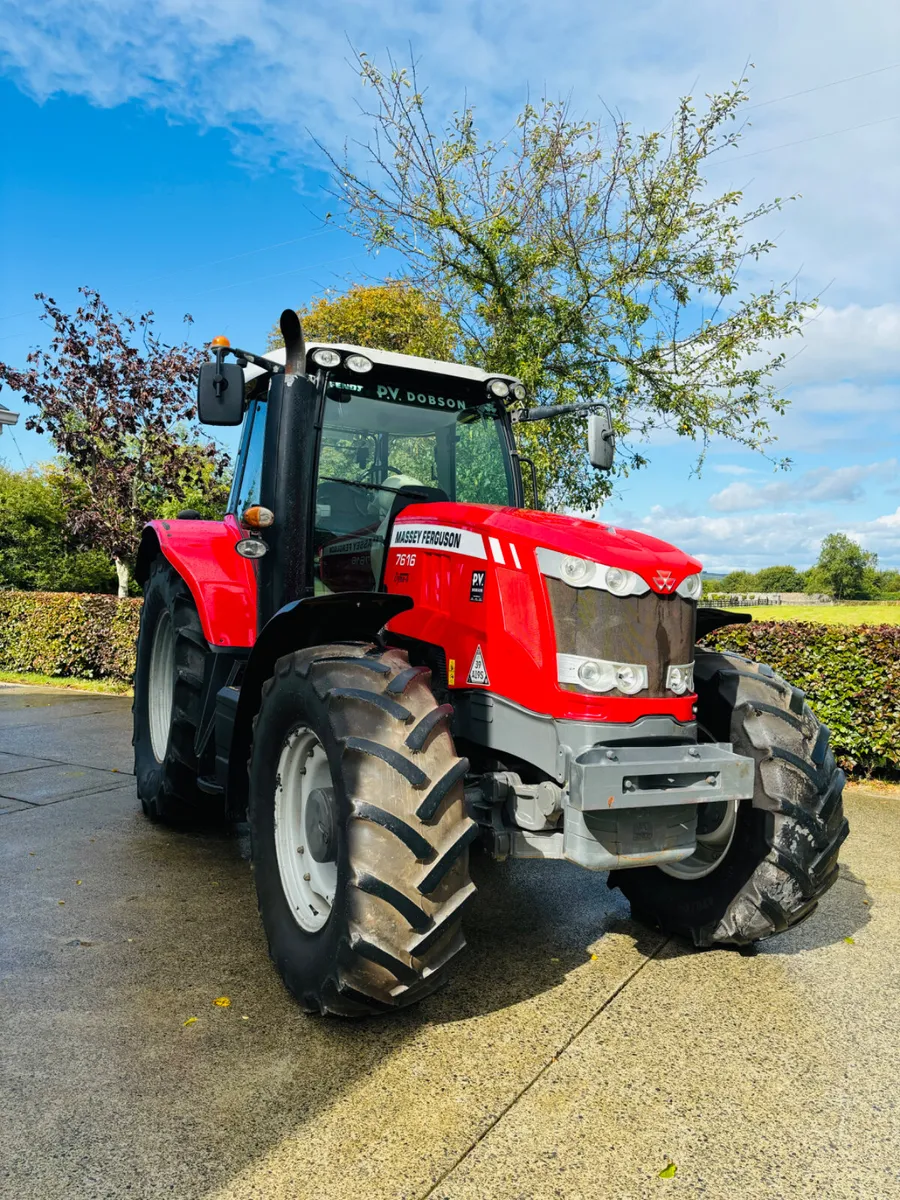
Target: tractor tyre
168,679
762,863
359,833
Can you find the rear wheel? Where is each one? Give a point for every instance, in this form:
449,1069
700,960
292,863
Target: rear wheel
761,864
359,832
168,680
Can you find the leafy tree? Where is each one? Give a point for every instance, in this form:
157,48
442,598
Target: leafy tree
738,581
121,416
842,566
36,552
590,261
886,581
393,315
779,579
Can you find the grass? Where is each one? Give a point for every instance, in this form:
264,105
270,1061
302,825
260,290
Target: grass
826,614
78,685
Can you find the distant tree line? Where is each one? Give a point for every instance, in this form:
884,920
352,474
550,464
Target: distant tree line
844,570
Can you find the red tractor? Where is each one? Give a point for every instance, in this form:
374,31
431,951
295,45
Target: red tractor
381,654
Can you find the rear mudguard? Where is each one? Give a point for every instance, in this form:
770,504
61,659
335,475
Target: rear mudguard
314,621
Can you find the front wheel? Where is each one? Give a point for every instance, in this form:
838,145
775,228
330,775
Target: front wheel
358,826
761,864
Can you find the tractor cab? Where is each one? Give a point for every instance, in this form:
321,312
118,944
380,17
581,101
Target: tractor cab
391,435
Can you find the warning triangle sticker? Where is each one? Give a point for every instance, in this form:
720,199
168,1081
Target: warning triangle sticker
478,671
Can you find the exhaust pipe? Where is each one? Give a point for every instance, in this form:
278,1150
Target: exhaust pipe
289,463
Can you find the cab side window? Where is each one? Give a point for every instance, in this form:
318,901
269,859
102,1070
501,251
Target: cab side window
248,488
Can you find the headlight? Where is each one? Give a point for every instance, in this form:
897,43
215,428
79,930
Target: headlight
577,570
581,572
691,587
499,388
358,363
519,391
598,675
680,679
619,582
326,358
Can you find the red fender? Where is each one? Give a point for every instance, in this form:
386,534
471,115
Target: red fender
222,583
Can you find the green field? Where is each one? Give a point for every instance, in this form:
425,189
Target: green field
826,614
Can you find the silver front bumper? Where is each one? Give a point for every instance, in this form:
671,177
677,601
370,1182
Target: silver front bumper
618,777
636,806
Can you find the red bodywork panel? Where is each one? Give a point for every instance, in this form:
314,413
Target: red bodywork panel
222,583
513,625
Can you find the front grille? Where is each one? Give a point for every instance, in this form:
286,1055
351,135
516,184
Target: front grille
655,630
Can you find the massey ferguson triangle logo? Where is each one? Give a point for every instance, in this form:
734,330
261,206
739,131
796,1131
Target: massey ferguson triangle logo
664,580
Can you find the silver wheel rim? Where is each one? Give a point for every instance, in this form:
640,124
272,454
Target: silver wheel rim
711,848
309,886
162,684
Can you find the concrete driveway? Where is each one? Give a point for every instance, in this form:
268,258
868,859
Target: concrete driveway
574,1055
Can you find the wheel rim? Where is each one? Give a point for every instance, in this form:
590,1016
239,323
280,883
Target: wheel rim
162,684
711,847
309,886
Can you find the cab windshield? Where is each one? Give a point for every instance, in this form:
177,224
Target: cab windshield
395,436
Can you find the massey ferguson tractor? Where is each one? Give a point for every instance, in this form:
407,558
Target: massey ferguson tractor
382,655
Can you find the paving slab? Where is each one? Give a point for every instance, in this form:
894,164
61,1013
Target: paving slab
19,762
11,806
13,716
58,781
96,739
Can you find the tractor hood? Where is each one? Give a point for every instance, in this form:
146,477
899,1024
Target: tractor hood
527,530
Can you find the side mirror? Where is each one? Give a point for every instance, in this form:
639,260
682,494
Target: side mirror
220,394
601,440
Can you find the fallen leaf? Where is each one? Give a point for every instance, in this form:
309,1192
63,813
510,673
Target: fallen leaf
60,902
668,1171
244,1017
554,960
222,1002
189,1021
865,902
594,957
78,881
129,939
31,853
850,941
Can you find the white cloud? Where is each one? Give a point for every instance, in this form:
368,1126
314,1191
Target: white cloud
732,469
819,486
846,343
748,542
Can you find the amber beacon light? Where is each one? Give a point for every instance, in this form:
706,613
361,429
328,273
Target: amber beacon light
220,340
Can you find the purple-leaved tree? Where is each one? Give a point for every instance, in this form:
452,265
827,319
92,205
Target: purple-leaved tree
119,405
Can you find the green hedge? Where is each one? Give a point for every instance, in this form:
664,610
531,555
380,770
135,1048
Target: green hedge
70,634
851,676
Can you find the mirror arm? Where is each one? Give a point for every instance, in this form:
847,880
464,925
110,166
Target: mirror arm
548,411
242,357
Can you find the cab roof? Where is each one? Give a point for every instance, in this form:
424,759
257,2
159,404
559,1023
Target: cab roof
387,358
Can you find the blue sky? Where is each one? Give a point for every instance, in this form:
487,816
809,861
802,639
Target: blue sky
162,152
